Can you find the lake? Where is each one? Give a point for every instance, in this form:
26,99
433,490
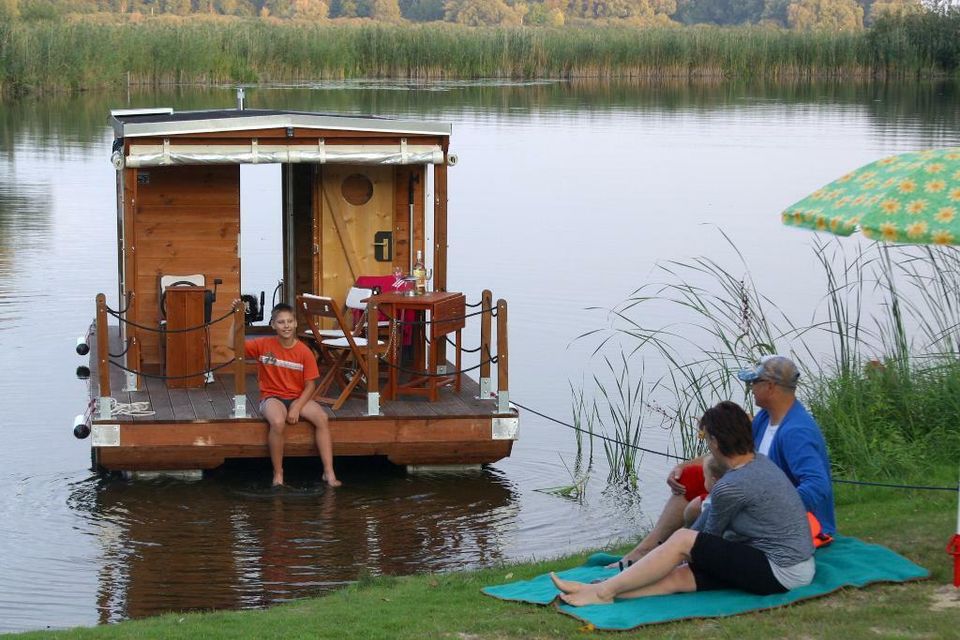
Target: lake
566,197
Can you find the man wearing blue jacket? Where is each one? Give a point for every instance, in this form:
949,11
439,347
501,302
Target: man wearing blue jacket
783,431
787,434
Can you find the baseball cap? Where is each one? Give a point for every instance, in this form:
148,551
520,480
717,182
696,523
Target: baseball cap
777,369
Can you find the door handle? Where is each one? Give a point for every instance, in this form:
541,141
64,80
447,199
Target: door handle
383,246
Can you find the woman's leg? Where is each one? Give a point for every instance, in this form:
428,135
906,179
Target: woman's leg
642,578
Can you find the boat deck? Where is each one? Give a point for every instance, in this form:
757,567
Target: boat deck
195,428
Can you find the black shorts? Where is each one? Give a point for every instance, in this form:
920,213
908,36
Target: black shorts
721,564
286,402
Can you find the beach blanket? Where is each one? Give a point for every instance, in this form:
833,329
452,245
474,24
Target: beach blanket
847,562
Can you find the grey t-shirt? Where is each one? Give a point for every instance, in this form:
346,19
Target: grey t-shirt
756,504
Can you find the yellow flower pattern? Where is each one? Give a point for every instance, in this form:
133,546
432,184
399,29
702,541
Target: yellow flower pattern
912,197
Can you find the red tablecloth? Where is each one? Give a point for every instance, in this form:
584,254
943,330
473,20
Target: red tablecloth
388,284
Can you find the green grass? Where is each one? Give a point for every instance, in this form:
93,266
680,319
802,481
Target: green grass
916,524
74,55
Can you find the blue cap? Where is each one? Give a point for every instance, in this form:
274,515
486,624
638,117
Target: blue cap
780,370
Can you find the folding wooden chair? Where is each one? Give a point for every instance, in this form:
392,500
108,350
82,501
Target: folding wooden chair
348,352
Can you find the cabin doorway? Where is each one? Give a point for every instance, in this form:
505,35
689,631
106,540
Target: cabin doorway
261,238
356,227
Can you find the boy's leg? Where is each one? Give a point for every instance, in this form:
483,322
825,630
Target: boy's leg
276,416
314,413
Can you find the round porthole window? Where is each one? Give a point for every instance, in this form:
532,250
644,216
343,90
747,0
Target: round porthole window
357,189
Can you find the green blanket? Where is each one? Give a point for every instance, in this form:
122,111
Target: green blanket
847,562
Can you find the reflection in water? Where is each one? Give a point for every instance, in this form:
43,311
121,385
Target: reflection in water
227,542
24,228
888,104
601,179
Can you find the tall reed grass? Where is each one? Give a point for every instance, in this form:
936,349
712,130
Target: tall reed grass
888,398
82,55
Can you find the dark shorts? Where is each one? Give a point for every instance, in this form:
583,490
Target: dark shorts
721,564
286,402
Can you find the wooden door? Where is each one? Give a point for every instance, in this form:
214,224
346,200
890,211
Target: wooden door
355,203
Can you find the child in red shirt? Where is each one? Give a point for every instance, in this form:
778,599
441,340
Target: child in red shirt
287,374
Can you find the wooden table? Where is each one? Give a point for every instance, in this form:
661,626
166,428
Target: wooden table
444,312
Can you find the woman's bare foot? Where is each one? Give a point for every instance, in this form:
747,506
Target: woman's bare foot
331,480
567,586
589,595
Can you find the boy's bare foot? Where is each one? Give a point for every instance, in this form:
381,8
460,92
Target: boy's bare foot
567,586
332,481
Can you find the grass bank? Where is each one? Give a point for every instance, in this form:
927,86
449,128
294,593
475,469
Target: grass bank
916,524
75,55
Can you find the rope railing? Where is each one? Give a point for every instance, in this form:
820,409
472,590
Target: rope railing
163,328
427,374
630,445
424,323
158,376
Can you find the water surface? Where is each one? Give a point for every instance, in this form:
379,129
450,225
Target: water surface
566,197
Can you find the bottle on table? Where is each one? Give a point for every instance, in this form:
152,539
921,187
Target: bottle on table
420,273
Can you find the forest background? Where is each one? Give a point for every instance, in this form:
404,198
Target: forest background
833,15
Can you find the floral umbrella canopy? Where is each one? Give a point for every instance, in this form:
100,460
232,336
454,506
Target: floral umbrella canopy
913,197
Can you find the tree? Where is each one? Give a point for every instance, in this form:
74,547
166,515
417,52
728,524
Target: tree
278,8
344,9
548,13
880,8
385,10
9,10
723,12
641,10
476,13
421,10
825,15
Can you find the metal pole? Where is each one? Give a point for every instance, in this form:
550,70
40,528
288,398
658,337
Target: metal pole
410,228
289,280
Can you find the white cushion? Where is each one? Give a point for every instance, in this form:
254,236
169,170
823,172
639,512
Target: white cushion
342,343
356,296
326,333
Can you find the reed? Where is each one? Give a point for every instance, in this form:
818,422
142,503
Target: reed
889,415
71,55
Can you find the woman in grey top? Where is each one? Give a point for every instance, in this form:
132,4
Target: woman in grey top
755,536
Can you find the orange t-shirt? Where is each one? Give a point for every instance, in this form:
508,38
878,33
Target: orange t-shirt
281,372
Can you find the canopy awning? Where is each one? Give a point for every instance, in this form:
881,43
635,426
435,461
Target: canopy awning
167,154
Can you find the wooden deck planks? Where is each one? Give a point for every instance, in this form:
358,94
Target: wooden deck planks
215,400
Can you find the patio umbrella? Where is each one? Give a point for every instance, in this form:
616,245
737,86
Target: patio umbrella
912,198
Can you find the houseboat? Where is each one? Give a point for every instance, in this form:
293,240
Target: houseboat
169,387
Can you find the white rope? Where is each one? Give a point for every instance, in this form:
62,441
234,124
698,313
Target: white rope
137,409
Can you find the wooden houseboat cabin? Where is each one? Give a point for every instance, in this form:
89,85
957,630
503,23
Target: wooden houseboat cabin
168,393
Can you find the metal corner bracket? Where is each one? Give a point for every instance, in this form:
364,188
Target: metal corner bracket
505,428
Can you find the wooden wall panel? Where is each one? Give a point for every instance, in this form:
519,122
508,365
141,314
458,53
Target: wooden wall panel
401,218
186,221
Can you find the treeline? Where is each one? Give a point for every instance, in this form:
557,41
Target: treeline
793,14
74,55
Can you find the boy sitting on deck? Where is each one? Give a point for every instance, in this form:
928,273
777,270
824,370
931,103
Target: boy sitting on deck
286,374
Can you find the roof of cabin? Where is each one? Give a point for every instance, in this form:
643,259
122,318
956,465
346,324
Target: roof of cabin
167,122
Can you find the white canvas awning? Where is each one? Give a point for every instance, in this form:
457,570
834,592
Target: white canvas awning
167,154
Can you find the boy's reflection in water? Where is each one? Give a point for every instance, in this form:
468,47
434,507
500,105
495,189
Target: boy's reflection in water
225,543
